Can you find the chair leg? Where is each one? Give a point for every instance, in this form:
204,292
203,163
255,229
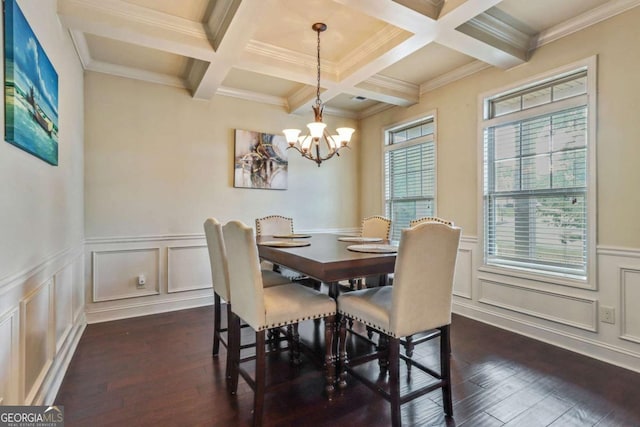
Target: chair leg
233,351
409,349
231,346
216,325
329,358
258,397
445,370
294,345
383,352
342,353
394,380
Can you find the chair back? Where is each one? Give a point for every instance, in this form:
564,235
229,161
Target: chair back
423,278
274,224
376,226
424,219
217,258
245,278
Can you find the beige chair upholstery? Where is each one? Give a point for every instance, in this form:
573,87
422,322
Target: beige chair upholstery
274,224
220,278
264,308
376,226
278,225
424,219
419,300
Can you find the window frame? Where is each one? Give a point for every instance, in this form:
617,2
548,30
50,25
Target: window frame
386,146
590,66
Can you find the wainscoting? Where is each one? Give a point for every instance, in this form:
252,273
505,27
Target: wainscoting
176,272
177,276
564,316
41,321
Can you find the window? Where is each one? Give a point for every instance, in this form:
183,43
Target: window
536,185
409,173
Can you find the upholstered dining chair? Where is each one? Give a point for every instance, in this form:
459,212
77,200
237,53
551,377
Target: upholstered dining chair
376,226
264,308
424,219
273,225
220,279
410,342
419,300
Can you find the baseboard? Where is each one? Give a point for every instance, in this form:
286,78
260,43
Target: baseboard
51,385
144,308
597,350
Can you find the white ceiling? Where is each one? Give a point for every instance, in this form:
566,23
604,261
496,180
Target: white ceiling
387,51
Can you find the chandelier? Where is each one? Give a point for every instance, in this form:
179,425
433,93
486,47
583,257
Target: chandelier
309,145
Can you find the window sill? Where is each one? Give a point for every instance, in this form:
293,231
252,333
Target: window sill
554,279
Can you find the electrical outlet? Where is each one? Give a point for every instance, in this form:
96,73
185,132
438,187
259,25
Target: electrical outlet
607,314
141,281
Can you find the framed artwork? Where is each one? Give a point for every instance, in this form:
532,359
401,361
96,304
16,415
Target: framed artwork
31,89
261,160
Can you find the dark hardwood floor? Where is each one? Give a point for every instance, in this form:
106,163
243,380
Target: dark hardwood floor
158,371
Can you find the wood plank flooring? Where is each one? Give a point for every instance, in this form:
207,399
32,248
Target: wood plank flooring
158,371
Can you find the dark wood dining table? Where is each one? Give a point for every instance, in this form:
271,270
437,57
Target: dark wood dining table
327,259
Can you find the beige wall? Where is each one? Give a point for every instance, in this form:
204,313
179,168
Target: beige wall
158,162
566,316
456,106
41,205
42,236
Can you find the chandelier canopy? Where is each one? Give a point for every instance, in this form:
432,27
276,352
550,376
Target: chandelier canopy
309,145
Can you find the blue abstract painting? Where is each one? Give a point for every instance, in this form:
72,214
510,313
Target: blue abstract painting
31,89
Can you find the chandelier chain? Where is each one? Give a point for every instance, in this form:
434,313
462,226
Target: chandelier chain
318,102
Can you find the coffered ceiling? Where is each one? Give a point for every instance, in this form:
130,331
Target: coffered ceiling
375,53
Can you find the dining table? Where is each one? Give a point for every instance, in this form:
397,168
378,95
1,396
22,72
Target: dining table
327,258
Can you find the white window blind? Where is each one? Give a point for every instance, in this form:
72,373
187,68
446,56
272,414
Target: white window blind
409,171
535,177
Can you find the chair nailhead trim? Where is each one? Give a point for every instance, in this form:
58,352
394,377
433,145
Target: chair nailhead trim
384,331
291,322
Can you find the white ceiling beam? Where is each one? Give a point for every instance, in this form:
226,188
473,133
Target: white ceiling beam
230,44
456,12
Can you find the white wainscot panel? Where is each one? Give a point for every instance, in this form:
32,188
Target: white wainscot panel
630,301
63,289
9,358
36,336
188,268
115,273
463,276
568,310
77,295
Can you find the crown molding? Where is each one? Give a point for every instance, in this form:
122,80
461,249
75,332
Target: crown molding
296,59
82,48
452,76
374,109
142,15
340,112
248,95
136,74
500,30
395,85
220,19
591,17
